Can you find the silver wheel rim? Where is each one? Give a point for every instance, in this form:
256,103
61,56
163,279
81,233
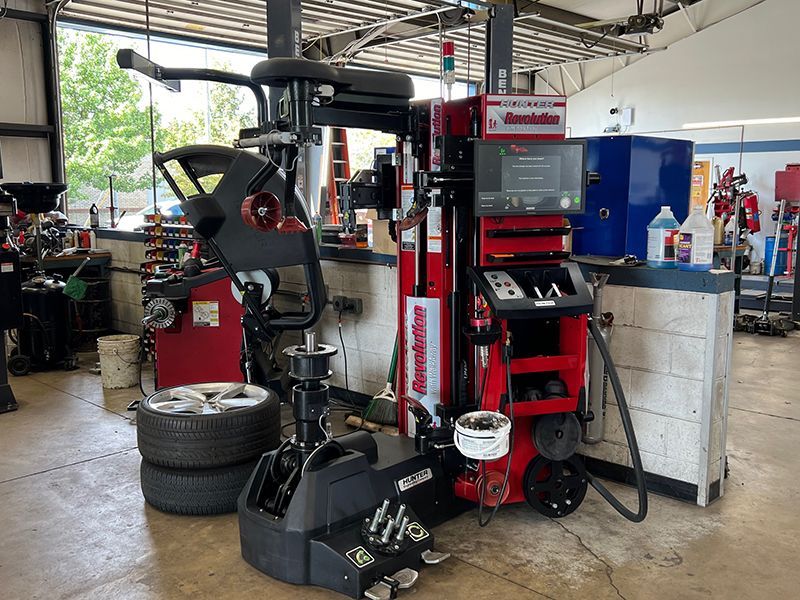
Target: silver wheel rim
207,398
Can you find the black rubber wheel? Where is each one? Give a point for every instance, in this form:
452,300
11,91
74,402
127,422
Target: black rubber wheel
194,491
205,441
19,365
555,488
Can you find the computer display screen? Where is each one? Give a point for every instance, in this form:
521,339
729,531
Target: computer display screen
529,178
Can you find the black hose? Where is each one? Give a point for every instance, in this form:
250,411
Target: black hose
630,435
481,522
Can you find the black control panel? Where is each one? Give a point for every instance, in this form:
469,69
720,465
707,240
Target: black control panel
533,292
529,178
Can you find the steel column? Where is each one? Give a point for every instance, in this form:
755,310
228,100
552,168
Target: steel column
284,39
499,49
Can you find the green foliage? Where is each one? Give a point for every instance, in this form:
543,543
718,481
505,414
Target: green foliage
222,124
106,124
361,144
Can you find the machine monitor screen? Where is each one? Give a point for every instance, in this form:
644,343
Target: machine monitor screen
514,178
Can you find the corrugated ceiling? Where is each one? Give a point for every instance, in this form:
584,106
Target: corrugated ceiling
411,46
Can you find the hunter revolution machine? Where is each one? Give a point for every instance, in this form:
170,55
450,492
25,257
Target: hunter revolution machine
493,323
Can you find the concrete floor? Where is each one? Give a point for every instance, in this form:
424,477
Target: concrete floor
73,523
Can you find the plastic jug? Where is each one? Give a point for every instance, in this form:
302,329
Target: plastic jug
696,242
661,234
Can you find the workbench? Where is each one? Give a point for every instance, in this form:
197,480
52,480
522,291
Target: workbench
92,315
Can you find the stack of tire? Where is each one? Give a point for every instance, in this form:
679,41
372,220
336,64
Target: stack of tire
197,464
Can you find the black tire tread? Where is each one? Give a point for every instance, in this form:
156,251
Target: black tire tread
208,441
194,491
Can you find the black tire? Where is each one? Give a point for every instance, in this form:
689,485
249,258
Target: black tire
194,491
192,441
19,365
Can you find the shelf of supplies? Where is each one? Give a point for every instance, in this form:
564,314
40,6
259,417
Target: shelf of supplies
543,364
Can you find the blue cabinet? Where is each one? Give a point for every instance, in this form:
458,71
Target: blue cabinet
638,175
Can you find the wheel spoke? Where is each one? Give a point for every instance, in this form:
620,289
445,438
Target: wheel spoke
207,398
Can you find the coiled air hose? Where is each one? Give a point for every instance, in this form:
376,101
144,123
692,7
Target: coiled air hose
630,435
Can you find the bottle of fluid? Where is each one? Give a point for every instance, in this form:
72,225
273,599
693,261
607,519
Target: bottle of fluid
696,242
661,234
94,216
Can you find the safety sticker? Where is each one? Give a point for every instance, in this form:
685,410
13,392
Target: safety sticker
408,237
406,483
205,314
6,267
434,221
360,557
416,531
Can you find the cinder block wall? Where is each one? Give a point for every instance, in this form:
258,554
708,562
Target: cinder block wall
126,287
368,337
672,351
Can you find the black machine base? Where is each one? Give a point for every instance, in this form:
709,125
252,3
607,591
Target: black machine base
8,402
324,537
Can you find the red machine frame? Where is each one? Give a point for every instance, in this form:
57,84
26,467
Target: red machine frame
477,117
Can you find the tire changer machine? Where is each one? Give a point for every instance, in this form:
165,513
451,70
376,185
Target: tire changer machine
493,320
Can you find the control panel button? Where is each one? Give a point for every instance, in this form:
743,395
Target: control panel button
504,286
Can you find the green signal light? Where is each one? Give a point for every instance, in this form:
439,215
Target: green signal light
577,199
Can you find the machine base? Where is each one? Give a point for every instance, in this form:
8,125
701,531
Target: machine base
8,402
322,538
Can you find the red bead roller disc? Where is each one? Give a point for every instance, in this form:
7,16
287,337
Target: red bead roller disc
262,211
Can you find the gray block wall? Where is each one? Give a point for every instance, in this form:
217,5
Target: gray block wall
126,288
672,350
368,337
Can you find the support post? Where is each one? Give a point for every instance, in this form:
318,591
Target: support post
284,39
499,49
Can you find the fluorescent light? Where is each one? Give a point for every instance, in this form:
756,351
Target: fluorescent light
742,122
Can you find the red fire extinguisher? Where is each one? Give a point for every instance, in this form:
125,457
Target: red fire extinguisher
750,206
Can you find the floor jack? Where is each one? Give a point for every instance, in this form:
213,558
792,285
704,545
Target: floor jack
766,324
353,513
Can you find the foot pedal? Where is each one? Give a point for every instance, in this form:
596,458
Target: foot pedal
385,589
431,557
406,578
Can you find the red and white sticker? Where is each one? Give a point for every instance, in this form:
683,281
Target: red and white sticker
526,115
6,267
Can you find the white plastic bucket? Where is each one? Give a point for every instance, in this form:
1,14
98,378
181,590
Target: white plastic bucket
483,435
119,360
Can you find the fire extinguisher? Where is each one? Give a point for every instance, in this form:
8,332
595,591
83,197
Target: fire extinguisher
750,206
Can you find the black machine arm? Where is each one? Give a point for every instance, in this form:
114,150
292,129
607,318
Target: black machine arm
217,216
170,77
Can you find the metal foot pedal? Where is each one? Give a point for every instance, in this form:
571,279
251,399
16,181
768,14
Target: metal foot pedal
386,589
380,591
406,578
431,557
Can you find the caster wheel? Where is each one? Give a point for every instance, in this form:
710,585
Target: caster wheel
555,488
19,365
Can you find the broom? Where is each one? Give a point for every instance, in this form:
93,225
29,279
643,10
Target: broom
382,408
76,288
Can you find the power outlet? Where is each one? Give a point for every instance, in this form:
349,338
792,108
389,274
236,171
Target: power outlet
344,304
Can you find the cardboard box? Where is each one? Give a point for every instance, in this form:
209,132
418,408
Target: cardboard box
381,240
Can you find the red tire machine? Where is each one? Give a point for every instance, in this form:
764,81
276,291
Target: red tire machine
352,513
487,306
